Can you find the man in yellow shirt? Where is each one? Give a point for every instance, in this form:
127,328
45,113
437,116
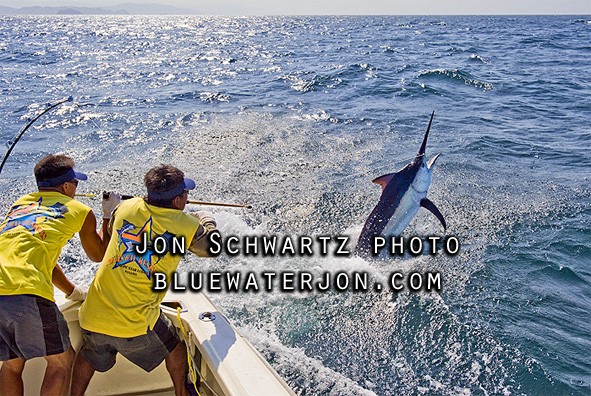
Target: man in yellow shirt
32,236
122,311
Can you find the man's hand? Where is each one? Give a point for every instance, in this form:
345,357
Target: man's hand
110,202
201,243
206,219
78,294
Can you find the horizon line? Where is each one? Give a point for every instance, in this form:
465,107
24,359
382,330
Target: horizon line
294,15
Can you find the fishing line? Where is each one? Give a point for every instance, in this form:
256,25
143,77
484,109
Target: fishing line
80,106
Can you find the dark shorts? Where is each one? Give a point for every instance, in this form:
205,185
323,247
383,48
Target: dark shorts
147,350
30,327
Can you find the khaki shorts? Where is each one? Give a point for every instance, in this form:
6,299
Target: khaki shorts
146,351
30,327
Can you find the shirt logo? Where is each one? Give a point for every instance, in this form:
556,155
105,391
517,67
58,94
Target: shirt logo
28,216
146,256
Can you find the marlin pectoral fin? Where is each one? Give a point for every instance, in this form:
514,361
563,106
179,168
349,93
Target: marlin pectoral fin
430,206
383,180
431,162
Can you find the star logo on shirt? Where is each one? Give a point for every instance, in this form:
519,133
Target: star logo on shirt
28,216
145,257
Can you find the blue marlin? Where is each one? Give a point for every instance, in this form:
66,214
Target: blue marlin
403,193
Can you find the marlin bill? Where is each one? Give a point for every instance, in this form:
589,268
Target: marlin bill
403,193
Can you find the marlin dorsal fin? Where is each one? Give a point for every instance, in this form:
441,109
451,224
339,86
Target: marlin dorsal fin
383,180
430,206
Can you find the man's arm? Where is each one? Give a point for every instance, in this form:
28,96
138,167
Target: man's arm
94,243
60,280
201,242
72,292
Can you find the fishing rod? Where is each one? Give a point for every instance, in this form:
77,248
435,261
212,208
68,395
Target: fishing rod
15,140
50,107
190,201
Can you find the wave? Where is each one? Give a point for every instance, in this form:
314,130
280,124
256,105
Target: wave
214,97
561,273
302,84
309,81
477,58
455,75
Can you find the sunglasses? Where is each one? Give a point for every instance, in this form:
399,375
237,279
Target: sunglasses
74,182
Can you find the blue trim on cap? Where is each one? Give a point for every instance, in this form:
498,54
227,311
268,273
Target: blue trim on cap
187,184
56,181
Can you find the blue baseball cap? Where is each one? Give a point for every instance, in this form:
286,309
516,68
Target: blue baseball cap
187,184
56,181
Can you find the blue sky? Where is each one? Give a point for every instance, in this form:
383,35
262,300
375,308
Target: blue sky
346,7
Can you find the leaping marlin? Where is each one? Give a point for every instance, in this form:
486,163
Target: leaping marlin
403,193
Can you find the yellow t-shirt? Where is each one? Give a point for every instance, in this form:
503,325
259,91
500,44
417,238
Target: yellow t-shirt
120,300
32,236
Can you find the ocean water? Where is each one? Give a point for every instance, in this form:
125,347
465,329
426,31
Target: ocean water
296,115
